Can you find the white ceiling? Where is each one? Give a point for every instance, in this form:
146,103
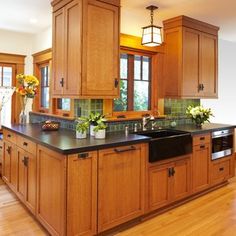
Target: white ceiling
15,15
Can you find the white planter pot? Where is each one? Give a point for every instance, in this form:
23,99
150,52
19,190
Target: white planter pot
100,134
91,130
80,135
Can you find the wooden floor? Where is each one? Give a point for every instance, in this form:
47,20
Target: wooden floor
211,215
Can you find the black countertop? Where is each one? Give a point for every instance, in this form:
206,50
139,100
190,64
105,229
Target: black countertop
209,127
64,140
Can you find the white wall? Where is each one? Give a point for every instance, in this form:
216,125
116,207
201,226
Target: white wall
42,40
224,108
17,43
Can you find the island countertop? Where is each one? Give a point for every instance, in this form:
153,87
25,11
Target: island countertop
65,142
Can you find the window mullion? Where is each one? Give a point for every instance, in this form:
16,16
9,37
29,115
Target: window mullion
130,91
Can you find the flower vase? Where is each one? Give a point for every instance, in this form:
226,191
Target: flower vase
26,103
198,124
23,118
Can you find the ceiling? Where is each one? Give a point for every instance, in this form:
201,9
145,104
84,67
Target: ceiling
16,15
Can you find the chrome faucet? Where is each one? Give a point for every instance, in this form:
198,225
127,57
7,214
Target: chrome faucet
146,120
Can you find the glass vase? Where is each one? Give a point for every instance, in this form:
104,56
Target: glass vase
22,118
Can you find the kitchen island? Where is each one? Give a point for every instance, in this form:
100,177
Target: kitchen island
87,187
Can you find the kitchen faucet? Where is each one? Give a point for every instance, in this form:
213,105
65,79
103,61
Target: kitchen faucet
146,120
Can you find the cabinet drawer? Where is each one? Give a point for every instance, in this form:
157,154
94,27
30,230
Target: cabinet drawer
26,144
220,171
201,139
9,136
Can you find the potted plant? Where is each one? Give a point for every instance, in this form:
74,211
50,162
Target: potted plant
100,130
81,128
94,119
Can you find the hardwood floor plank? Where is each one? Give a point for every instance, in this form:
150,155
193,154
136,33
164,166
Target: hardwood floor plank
211,215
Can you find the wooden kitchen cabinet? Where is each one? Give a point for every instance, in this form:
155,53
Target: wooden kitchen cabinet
26,189
93,26
82,194
191,58
10,163
51,190
201,162
222,169
168,182
121,185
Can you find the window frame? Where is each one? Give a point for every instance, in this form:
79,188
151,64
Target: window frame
41,59
153,84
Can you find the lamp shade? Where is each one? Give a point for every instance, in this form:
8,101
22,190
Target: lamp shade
151,36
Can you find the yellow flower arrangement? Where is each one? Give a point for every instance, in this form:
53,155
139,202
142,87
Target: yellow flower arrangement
28,85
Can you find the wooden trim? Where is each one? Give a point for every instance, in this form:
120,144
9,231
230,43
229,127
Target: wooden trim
134,42
190,23
39,59
12,58
53,115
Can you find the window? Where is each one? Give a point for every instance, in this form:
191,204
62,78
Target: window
6,79
135,82
45,82
63,104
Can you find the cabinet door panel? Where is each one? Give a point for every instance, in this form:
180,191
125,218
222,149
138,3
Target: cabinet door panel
101,50
191,56
209,49
73,24
58,51
120,186
201,161
82,195
181,179
50,210
30,197
159,183
7,149
22,175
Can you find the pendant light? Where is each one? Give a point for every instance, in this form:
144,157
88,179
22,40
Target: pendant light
151,33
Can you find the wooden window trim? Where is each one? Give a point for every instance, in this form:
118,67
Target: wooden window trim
41,59
19,63
133,44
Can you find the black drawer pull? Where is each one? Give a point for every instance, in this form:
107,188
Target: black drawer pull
221,168
202,146
132,148
169,172
202,138
8,149
25,161
8,135
25,144
83,155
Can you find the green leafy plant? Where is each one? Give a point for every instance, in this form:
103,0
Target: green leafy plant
96,118
82,125
199,114
100,126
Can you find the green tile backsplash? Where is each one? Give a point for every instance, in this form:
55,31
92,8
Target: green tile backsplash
174,110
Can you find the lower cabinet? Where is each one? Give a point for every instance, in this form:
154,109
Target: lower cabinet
26,189
121,182
222,169
51,190
10,165
201,162
168,182
82,194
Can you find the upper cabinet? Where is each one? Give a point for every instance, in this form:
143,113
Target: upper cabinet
86,48
191,58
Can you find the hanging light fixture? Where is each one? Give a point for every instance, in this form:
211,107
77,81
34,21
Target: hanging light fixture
151,33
